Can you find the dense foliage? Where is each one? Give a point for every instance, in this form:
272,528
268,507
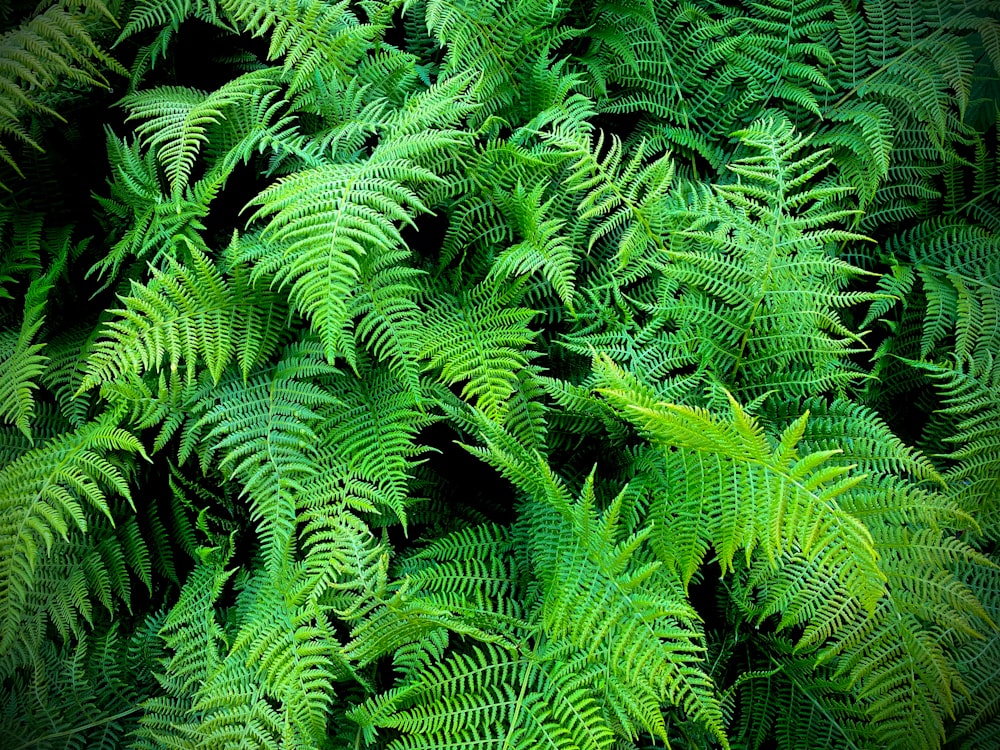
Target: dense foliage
572,374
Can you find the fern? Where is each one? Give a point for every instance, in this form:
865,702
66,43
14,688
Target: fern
797,502
582,374
528,695
47,493
367,442
57,43
322,221
21,358
176,121
259,429
478,340
186,315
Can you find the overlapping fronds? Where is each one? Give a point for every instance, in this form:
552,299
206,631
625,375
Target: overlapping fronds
569,374
46,494
188,315
51,46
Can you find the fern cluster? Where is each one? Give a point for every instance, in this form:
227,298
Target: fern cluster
514,374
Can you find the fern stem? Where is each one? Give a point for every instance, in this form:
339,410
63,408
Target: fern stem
879,71
517,708
77,730
790,674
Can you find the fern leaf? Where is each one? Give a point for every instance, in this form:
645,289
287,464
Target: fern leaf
44,495
322,221
769,495
188,314
261,429
176,121
476,339
21,360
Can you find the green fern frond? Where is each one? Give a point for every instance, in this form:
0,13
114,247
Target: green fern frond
774,497
367,438
979,711
46,493
969,391
54,44
865,151
175,121
188,314
292,649
495,40
348,565
901,674
94,681
628,199
622,652
155,14
65,371
478,339
542,248
261,430
800,705
21,360
158,225
388,316
765,289
316,39
322,221
489,695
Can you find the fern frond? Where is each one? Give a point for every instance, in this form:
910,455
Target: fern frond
261,429
175,121
317,39
158,225
367,438
293,651
21,360
478,339
96,682
543,248
44,495
188,314
56,43
322,221
765,289
496,41
770,495
388,316
152,14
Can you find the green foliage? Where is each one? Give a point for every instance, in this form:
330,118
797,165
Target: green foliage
577,374
44,49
